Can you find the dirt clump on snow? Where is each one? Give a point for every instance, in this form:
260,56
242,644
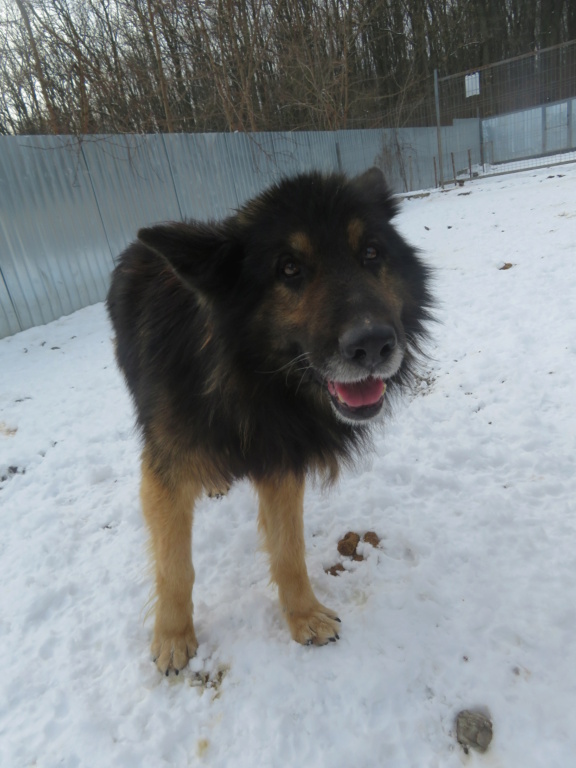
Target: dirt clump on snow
372,538
347,547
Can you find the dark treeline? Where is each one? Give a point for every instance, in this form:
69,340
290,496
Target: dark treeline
143,66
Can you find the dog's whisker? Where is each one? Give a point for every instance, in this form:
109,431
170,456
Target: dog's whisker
289,364
305,370
294,371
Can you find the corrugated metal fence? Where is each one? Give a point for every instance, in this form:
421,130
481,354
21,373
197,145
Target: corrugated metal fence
68,207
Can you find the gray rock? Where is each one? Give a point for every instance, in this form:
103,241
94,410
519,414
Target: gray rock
473,730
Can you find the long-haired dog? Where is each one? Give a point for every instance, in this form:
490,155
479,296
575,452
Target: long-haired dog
263,346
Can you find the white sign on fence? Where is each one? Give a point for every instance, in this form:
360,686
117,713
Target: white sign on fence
472,84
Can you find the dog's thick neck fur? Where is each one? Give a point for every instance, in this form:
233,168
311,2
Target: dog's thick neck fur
187,304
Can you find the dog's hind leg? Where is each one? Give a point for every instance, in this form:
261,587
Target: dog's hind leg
281,520
168,510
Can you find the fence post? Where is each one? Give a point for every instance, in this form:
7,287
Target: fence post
338,157
438,128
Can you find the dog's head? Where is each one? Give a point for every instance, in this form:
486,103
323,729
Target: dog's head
315,284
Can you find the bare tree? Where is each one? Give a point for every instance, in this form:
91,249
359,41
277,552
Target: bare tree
108,66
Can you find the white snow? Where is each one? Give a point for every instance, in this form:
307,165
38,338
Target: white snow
470,602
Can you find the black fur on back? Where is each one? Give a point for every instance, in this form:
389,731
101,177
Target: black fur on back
219,373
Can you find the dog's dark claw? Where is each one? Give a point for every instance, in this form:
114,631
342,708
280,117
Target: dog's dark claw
337,619
176,671
167,672
332,639
337,636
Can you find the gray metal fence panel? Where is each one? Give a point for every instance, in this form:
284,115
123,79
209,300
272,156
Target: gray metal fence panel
352,156
410,152
292,153
8,319
395,156
252,166
200,170
132,183
362,149
215,173
323,153
371,142
555,124
397,167
461,147
512,137
53,251
530,133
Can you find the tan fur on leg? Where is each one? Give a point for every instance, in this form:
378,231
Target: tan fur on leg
168,510
281,520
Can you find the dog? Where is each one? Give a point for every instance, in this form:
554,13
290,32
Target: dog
263,346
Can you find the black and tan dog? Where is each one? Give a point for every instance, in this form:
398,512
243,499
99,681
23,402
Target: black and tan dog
262,346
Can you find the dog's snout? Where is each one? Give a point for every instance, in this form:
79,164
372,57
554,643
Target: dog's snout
368,347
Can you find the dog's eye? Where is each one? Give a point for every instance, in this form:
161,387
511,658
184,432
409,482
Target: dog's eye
290,269
372,256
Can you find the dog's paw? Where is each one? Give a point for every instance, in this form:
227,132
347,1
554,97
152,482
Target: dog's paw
315,626
173,652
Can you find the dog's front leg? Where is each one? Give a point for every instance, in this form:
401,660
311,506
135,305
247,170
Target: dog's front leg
168,509
281,520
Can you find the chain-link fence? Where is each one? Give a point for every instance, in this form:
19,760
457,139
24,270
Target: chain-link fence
523,109
517,114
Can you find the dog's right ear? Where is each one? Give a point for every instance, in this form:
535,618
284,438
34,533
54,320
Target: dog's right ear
207,258
373,184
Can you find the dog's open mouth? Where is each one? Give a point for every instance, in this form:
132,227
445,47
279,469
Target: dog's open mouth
358,399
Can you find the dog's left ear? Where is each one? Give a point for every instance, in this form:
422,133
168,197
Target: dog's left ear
206,257
373,184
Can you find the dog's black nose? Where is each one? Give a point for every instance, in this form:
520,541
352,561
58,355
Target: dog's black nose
368,346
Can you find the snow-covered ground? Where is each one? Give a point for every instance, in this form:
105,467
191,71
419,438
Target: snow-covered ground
469,603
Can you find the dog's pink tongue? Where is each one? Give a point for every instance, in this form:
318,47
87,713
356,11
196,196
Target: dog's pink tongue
360,393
